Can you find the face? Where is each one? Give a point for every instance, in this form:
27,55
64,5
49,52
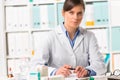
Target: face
73,17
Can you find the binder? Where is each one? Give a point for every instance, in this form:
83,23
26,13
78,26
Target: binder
11,40
36,17
89,15
51,16
44,16
8,18
97,13
11,18
17,18
38,38
59,12
115,38
18,45
22,45
23,17
104,13
115,12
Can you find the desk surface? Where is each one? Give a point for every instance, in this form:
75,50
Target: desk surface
87,78
114,77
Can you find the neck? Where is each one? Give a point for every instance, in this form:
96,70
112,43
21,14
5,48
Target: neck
71,31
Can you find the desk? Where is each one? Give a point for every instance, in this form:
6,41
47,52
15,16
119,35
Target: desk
87,78
114,78
74,78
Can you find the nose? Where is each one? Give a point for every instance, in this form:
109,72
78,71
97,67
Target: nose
75,16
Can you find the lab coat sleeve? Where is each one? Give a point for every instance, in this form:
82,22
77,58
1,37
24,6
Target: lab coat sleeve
95,57
42,54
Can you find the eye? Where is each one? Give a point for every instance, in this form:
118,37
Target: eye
71,12
80,13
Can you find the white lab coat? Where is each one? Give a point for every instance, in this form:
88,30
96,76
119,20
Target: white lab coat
56,51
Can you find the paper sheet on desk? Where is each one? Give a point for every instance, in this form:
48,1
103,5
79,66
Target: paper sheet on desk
74,77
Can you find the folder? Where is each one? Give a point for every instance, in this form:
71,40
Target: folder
38,38
97,13
36,17
89,15
17,18
51,16
11,18
22,45
60,18
11,40
116,38
23,17
104,15
44,16
114,13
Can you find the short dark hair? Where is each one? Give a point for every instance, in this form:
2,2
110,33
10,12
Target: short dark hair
69,4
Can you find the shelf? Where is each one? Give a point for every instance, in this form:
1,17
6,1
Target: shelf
15,4
91,27
16,31
115,52
94,0
41,30
18,57
40,2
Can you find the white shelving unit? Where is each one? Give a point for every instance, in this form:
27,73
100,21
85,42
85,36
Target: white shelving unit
114,24
25,26
2,44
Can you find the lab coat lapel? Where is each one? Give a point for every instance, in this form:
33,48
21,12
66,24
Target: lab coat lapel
79,38
63,39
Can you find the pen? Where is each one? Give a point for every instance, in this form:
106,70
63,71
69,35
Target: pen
71,68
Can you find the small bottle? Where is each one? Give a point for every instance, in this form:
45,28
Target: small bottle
91,78
10,74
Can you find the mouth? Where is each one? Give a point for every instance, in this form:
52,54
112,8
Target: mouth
75,22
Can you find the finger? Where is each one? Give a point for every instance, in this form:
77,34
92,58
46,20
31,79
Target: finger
84,73
77,69
67,66
79,73
66,71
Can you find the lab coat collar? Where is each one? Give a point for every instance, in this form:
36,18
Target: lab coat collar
60,31
65,41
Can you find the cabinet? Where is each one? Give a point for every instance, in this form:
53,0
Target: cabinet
2,43
27,21
114,24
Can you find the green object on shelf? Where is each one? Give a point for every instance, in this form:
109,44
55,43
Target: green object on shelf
31,0
91,78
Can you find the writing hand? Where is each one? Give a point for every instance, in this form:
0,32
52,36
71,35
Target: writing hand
81,71
64,70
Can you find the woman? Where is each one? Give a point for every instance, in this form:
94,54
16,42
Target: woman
70,46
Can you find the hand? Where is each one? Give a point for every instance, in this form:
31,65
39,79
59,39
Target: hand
64,70
81,71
